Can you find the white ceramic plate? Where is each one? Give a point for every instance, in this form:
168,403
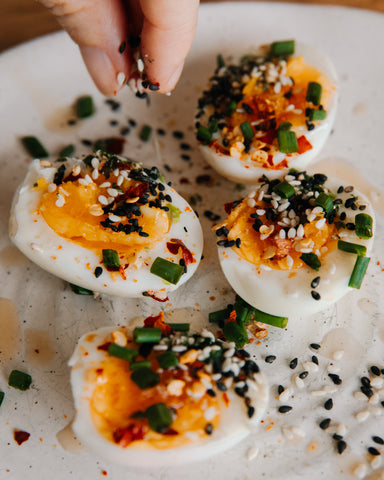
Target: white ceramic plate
41,319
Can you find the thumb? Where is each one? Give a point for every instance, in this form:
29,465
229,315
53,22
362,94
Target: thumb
168,30
99,28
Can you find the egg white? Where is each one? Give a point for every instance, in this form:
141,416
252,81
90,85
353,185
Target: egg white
75,263
234,423
278,292
246,171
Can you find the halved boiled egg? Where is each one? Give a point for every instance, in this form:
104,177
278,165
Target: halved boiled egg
106,224
297,244
268,112
159,395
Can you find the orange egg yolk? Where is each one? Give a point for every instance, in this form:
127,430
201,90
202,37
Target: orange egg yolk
116,398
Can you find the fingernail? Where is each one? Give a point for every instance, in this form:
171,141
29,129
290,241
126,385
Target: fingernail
102,71
170,85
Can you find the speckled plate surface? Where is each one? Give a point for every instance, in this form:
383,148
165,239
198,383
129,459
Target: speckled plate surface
41,319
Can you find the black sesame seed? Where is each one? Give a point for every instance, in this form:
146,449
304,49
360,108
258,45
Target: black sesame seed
340,189
324,424
185,157
382,403
285,409
251,411
375,370
328,405
154,87
343,216
304,374
350,226
315,359
378,440
373,451
221,386
160,131
335,378
113,123
315,346
122,47
315,282
280,389
315,295
211,392
72,122
211,216
98,271
368,392
86,142
185,146
348,189
365,381
270,358
362,207
125,131
238,242
208,429
178,134
341,446
293,364
337,437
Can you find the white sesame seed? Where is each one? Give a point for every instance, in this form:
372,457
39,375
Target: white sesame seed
338,354
298,111
95,162
103,200
76,170
179,348
120,180
332,269
265,267
374,400
360,396
260,211
88,179
105,185
295,183
277,87
291,233
229,353
95,174
252,453
112,192
285,394
60,201
305,250
282,234
110,200
320,223
83,182
289,178
216,376
360,470
291,214
261,195
318,393
251,202
160,347
310,367
289,261
376,462
362,416
140,65
283,206
121,78
116,172
311,217
333,368
298,432
341,429
114,218
290,107
52,187
300,231
377,382
330,389
299,382
288,434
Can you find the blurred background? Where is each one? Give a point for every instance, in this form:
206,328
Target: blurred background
22,20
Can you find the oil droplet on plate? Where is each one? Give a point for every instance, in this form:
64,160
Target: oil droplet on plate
68,440
367,306
341,339
39,348
10,330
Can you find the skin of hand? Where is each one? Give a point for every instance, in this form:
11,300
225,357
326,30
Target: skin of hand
100,28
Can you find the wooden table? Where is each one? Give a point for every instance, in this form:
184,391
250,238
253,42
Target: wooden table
22,20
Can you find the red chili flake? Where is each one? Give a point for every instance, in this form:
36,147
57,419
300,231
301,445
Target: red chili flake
225,398
158,321
104,473
20,436
170,431
228,207
303,144
152,295
175,244
184,180
114,145
105,346
122,273
232,317
125,436
133,192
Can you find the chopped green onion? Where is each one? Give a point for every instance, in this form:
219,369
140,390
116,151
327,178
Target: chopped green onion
358,271
100,145
287,141
282,49
284,126
219,315
244,312
169,271
159,417
352,248
247,130
147,334
220,61
145,378
234,332
34,147
128,354
85,107
80,290
213,125
274,320
19,380
314,93
173,212
325,202
316,114
67,151
145,133
231,108
111,259
204,134
2,395
284,189
167,359
363,225
312,260
179,327
136,365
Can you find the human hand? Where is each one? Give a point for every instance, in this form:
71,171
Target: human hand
100,28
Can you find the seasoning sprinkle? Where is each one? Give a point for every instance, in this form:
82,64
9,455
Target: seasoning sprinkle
285,408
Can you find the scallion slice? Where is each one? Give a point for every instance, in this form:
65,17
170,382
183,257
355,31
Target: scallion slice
169,271
80,290
316,114
282,49
287,141
147,334
67,151
285,126
274,320
219,315
159,417
363,225
2,395
352,248
204,135
358,271
325,202
173,212
111,259
19,380
231,108
167,359
145,378
213,125
247,130
136,365
312,260
220,61
145,133
85,107
234,332
284,189
34,147
314,93
128,354
179,327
